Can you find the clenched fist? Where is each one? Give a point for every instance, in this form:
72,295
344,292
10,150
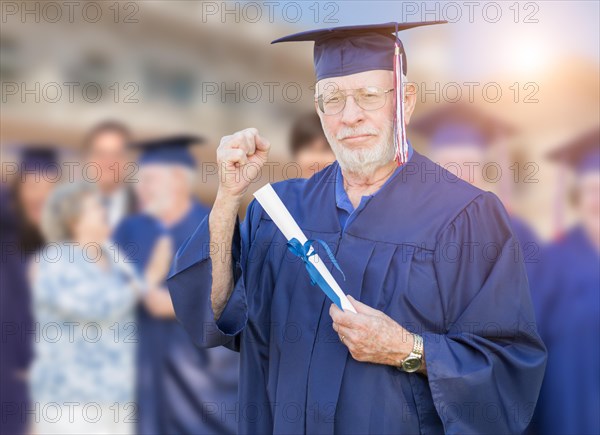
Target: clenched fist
241,157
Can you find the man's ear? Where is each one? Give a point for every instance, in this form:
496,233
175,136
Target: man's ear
410,95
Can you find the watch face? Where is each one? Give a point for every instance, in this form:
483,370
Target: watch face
411,364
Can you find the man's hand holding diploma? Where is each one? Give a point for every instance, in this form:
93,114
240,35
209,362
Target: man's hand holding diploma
372,336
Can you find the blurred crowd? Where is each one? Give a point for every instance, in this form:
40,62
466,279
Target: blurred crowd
90,339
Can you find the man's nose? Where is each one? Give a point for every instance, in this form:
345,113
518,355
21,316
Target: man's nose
352,113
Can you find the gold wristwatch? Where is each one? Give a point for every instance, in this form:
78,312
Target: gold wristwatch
413,361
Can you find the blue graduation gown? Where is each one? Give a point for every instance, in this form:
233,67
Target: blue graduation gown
16,353
530,245
484,357
566,295
181,388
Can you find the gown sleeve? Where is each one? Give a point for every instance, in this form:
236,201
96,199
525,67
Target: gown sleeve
190,282
486,363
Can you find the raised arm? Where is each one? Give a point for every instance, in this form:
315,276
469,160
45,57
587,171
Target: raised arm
206,281
240,157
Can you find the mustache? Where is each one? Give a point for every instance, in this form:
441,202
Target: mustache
356,131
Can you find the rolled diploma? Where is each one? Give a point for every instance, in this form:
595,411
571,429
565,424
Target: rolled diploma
276,209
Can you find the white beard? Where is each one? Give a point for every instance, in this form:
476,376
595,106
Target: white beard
362,161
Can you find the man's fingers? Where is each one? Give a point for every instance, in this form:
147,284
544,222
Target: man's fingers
362,308
335,312
238,156
262,143
253,131
345,318
243,140
248,143
234,156
344,331
225,140
240,160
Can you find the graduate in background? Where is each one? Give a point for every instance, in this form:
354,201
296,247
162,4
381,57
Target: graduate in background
21,206
181,389
443,339
309,145
39,173
566,296
459,138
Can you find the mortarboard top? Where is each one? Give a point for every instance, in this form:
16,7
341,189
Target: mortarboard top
456,123
172,150
341,51
582,153
38,157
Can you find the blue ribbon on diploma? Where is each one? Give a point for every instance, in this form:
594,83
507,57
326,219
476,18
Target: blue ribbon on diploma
302,251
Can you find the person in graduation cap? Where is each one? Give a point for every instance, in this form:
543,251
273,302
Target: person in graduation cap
459,137
566,296
39,172
21,205
444,337
181,388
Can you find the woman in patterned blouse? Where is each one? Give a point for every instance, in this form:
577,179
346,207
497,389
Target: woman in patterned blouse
84,299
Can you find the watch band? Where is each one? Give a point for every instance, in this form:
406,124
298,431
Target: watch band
418,345
414,359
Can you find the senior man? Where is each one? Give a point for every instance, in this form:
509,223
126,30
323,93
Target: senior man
444,337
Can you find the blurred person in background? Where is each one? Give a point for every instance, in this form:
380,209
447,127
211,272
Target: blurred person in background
106,148
566,296
39,172
309,145
21,208
459,139
80,282
181,388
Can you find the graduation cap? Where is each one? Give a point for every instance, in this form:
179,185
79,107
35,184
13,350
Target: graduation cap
460,123
172,150
38,157
342,51
43,154
581,154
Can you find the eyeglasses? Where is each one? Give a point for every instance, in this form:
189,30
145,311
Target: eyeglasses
369,98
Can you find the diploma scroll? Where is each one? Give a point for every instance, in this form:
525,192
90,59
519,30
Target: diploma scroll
277,211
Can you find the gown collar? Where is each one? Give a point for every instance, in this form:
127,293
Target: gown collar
346,211
389,215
